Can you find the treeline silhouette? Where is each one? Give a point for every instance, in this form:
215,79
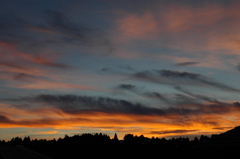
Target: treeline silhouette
221,146
101,145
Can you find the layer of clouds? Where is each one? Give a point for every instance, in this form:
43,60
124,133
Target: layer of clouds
73,104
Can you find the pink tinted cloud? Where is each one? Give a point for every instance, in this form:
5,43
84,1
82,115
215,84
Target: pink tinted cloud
42,30
137,26
28,69
210,27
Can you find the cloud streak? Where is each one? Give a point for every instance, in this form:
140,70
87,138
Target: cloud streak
186,63
173,132
180,77
126,87
202,97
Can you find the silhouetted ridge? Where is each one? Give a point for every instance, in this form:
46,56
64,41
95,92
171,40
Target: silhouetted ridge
222,146
230,138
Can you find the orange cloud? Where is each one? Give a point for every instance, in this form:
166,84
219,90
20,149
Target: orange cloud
48,132
154,125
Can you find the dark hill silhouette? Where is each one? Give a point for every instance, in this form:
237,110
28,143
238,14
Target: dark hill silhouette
229,139
222,146
10,151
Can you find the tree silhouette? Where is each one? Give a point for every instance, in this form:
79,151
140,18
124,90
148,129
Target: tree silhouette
87,145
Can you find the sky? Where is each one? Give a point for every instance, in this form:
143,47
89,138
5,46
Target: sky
162,68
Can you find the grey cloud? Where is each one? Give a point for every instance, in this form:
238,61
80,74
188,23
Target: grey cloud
32,122
238,67
57,28
186,63
24,77
178,74
202,97
182,99
156,95
177,77
104,69
172,131
75,33
58,21
79,104
237,104
4,119
126,87
11,29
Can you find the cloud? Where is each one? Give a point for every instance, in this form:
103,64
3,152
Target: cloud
137,26
80,104
202,97
178,74
184,26
15,59
26,122
47,110
180,77
222,128
126,87
44,61
59,22
31,42
156,95
172,131
4,119
238,67
12,64
237,104
73,104
24,77
186,63
76,33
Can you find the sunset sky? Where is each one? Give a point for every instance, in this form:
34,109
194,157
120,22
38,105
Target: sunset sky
160,68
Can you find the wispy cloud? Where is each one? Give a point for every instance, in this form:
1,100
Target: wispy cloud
180,77
156,95
57,21
46,62
197,96
187,63
172,131
12,64
126,87
24,77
